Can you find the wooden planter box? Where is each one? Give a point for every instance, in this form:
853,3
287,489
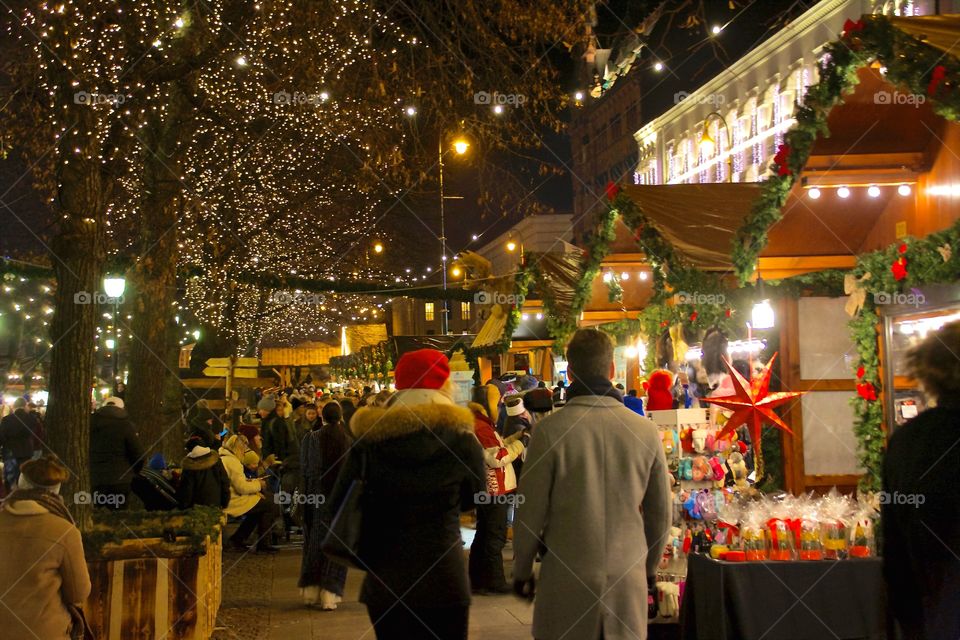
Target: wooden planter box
149,589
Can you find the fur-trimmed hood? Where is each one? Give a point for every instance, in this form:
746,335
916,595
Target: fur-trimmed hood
199,463
378,424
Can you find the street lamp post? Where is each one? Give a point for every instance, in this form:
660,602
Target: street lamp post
460,146
707,141
114,286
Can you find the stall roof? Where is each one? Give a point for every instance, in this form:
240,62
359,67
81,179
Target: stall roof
699,220
870,141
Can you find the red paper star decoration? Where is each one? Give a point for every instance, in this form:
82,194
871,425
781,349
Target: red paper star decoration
752,404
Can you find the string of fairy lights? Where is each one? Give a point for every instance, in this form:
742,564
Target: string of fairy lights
279,162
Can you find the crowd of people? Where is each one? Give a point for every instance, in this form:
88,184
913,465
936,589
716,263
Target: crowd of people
584,489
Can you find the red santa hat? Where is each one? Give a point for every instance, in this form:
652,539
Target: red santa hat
422,369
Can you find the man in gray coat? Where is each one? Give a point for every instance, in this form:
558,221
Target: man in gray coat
596,504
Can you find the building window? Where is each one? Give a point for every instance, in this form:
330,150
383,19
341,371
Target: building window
464,310
428,311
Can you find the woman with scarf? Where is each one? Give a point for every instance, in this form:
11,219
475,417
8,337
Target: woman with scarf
42,567
321,455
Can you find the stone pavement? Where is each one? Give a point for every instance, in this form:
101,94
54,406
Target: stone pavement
261,602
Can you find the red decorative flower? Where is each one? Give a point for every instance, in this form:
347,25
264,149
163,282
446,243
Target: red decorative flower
899,268
902,249
693,316
866,391
860,371
850,27
728,312
612,190
936,79
781,160
664,323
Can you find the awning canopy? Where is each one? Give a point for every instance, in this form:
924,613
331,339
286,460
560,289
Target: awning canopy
699,220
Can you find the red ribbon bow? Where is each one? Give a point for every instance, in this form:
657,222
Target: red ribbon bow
867,391
936,79
781,159
612,190
899,268
850,27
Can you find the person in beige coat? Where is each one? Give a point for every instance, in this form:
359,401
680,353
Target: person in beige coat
42,569
246,498
595,503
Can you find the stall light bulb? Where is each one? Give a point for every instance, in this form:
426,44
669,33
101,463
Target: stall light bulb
843,192
814,193
762,316
873,191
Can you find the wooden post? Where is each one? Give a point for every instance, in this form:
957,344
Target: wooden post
228,388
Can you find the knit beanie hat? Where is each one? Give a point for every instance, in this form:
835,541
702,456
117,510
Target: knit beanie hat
157,462
267,403
422,369
251,459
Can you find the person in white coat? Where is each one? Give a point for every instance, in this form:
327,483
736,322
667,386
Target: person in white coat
246,498
595,503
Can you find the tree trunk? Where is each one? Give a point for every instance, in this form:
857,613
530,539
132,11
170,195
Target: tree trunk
78,263
154,281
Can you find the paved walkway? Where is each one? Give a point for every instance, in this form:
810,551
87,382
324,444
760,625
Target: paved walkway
261,602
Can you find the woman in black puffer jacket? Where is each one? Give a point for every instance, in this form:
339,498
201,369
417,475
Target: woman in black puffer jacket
204,480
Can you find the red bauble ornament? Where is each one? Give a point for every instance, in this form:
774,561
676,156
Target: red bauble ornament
860,371
612,190
752,403
728,312
693,316
867,391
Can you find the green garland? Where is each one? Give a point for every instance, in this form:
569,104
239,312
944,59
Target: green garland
930,260
909,63
113,527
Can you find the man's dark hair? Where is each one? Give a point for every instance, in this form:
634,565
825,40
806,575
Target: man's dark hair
367,390
590,354
632,392
332,413
618,386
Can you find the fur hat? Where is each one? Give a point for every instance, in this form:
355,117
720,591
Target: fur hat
422,369
514,405
251,431
45,473
267,403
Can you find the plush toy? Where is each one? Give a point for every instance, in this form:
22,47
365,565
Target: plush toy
659,397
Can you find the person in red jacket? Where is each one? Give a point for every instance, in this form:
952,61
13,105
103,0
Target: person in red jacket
486,552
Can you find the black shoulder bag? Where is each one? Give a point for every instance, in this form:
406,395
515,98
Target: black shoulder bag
342,542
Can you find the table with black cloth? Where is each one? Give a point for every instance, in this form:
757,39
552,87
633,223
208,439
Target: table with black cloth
813,600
